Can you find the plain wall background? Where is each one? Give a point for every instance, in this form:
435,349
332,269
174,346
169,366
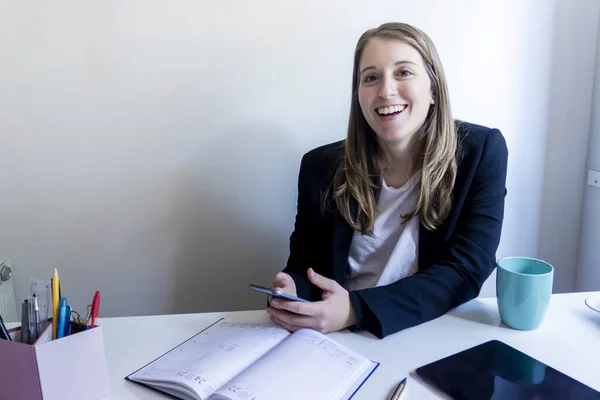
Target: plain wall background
588,271
572,83
150,148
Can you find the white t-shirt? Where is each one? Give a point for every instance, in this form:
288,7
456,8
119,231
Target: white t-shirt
392,252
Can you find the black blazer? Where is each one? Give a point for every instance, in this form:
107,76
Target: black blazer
454,261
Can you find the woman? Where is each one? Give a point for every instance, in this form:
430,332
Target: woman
400,222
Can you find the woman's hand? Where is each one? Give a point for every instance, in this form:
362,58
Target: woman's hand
285,283
333,313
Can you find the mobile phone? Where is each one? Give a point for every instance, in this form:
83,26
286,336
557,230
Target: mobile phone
276,293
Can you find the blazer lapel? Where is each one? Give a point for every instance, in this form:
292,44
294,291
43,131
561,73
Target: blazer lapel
341,241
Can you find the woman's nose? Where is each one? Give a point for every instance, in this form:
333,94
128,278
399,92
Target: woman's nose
388,88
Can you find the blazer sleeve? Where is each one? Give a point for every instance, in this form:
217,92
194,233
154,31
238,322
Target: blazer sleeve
461,268
300,239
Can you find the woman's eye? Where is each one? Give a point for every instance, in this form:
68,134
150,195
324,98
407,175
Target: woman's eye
404,73
369,78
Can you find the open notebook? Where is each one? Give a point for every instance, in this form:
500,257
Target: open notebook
239,361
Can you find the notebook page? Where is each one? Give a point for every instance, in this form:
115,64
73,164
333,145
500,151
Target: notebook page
213,357
307,365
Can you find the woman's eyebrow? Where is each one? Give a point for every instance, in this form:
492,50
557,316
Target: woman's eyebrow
397,63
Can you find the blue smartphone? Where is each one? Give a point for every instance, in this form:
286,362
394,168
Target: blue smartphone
277,293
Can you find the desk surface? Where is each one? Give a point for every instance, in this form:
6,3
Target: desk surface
568,340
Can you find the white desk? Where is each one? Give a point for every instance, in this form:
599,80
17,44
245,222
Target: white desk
568,340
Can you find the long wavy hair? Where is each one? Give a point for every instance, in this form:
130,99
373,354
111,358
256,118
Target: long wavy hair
358,176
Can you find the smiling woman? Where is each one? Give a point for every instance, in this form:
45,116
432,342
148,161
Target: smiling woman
399,222
389,88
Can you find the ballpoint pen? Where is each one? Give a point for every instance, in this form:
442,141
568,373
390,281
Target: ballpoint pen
399,390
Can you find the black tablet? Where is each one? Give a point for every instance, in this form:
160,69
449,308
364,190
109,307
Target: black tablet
496,371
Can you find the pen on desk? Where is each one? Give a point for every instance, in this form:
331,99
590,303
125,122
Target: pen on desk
399,389
3,332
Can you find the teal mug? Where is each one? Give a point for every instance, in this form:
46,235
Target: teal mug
523,288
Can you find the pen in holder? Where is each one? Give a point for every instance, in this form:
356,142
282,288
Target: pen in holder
43,368
34,311
64,368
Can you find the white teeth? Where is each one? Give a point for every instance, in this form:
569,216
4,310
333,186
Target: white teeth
389,110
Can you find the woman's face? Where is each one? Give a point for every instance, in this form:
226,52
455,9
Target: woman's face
394,90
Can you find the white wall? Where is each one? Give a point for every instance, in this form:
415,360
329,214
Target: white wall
572,82
150,149
588,272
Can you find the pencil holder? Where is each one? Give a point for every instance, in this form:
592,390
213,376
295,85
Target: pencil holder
72,367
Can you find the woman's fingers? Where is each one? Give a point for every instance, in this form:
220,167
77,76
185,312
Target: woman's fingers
284,283
284,325
294,320
282,280
298,307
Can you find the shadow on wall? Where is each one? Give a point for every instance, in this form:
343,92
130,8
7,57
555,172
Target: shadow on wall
234,207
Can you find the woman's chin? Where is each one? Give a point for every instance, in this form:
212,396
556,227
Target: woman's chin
393,136
396,134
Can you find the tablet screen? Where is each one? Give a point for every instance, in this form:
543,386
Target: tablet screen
496,371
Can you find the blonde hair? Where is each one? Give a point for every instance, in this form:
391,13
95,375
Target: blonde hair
358,176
